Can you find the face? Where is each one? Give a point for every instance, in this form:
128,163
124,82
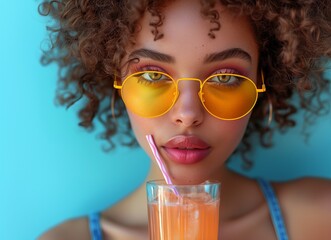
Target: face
193,144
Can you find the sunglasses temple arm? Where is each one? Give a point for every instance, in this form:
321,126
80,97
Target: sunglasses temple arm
116,86
263,88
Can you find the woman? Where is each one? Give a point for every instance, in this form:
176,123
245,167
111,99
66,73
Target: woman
189,73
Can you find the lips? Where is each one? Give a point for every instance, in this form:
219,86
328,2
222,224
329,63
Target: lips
186,149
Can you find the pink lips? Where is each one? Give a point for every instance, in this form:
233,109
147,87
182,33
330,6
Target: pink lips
186,149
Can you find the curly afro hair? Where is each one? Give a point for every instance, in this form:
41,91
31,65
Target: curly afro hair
88,39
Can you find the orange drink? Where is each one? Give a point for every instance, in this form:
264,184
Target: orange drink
183,212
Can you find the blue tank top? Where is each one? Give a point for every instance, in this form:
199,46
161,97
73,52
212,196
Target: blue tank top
95,228
268,192
274,208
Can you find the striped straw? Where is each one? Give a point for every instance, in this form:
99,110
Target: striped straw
158,159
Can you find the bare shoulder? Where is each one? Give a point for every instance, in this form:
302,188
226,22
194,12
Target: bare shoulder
307,190
306,204
69,230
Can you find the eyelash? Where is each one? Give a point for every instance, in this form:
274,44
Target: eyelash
147,67
232,68
226,70
151,67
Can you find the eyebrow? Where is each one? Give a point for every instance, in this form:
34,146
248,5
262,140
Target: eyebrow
229,53
213,57
152,55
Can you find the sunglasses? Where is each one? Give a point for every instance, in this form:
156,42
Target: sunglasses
225,96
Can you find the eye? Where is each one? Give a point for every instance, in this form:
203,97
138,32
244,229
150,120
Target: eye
227,79
223,78
153,76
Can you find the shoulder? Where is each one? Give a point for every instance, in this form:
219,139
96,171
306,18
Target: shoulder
306,204
306,190
72,229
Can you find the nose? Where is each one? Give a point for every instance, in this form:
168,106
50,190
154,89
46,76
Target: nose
188,110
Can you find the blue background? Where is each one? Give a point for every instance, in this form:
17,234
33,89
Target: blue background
51,169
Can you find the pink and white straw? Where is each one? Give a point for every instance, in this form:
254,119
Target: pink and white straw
158,159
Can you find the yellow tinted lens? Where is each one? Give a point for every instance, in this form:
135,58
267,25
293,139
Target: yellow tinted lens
229,96
149,93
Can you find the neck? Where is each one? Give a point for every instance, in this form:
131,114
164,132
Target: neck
239,195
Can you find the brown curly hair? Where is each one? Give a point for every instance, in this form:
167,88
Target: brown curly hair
88,39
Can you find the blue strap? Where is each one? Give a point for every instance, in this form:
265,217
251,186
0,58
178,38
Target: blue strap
95,228
275,211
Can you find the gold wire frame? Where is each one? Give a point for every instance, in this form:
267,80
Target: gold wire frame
258,90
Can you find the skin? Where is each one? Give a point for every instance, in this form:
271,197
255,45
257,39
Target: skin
188,117
244,213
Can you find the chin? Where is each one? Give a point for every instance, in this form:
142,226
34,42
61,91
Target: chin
187,179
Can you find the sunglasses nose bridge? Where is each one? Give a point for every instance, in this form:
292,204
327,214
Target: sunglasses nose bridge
188,86
189,79
191,87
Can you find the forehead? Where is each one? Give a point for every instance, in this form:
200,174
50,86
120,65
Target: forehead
185,31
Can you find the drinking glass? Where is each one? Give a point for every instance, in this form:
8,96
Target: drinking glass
183,212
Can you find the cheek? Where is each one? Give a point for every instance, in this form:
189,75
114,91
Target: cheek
239,131
240,125
142,127
233,131
139,126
